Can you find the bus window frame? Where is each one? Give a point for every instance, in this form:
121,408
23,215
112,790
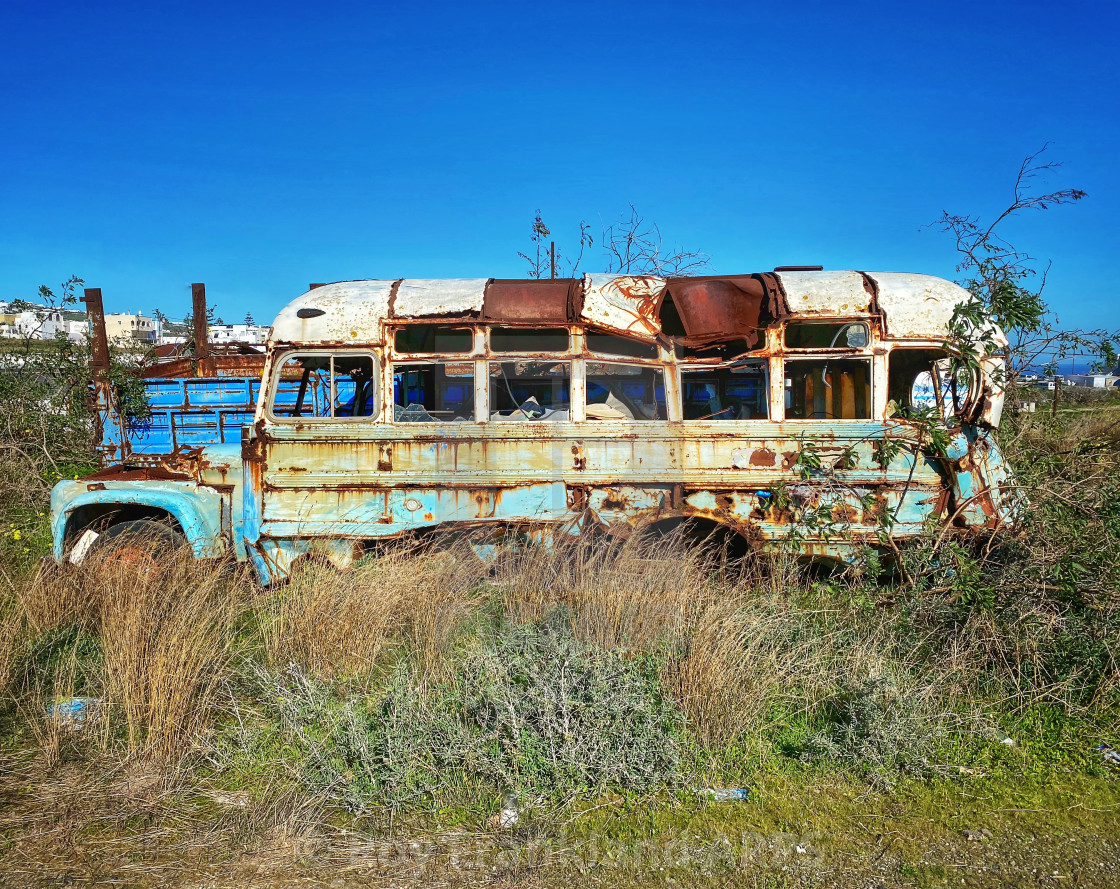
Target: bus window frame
477,343
432,359
281,359
760,358
656,364
871,353
826,350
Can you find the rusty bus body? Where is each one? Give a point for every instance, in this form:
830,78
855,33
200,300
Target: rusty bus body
603,403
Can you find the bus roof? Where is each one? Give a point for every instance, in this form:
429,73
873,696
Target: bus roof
708,309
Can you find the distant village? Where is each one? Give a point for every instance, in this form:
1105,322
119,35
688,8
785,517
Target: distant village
125,328
23,321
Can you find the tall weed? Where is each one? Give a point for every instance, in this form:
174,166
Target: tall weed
167,641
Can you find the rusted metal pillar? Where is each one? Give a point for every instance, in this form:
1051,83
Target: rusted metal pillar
201,322
99,340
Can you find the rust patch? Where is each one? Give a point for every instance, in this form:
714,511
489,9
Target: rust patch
725,502
137,474
646,302
845,512
713,308
763,457
577,497
941,507
201,322
231,362
614,500
99,343
558,300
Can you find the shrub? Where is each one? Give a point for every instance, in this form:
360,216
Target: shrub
528,707
882,730
558,713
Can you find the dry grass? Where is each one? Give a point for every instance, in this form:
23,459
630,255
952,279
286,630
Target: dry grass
742,647
738,661
333,624
733,644
167,643
11,635
640,594
165,640
329,623
52,598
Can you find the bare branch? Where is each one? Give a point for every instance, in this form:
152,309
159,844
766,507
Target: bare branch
635,248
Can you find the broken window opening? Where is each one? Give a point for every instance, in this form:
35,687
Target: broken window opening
670,318
828,389
624,347
428,339
625,392
528,389
736,391
724,350
433,392
910,380
919,379
827,335
520,339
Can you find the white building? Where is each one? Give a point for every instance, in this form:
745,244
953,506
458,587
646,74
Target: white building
253,334
1093,381
29,321
77,329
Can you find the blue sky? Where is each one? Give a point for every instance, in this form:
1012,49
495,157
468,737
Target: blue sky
259,147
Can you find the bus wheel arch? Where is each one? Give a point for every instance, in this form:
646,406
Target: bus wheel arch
705,531
87,524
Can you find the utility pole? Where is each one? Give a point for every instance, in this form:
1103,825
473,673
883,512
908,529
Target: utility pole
552,254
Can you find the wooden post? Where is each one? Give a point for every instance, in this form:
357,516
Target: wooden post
201,322
99,340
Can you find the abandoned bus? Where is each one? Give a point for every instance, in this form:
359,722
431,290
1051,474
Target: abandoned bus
600,404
